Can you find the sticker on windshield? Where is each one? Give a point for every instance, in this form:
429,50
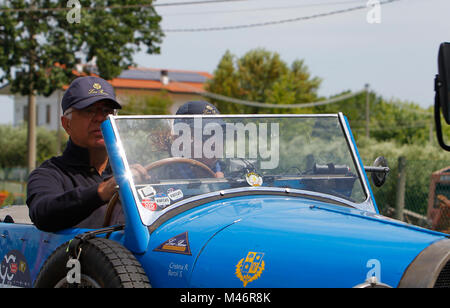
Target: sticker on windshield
149,204
162,200
174,195
147,192
253,179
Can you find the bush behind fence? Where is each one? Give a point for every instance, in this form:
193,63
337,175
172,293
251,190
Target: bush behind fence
417,190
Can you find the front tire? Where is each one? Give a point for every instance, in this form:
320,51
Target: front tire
104,264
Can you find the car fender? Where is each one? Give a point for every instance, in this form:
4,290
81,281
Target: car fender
24,249
327,245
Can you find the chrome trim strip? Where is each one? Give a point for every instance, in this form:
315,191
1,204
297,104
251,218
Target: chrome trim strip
424,270
195,201
356,161
330,115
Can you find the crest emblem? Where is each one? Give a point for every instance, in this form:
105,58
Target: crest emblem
97,89
250,268
209,110
253,179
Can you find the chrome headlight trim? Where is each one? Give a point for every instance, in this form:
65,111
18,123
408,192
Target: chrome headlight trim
424,271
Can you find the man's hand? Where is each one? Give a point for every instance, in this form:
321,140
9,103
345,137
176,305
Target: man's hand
139,173
107,189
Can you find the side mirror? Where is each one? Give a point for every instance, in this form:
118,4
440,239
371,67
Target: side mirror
444,80
379,171
442,89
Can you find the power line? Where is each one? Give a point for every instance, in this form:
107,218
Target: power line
266,105
254,25
277,22
283,106
273,8
233,100
196,2
130,6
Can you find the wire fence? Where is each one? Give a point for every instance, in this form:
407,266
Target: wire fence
417,192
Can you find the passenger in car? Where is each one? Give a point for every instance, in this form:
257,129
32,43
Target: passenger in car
202,107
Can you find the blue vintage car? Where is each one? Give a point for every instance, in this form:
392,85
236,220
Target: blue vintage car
232,201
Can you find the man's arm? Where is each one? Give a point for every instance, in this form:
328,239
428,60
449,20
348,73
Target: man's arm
52,208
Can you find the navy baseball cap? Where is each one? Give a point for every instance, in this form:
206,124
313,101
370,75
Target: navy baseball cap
197,107
85,91
200,108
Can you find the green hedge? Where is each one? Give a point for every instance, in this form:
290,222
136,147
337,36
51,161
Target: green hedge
13,145
421,162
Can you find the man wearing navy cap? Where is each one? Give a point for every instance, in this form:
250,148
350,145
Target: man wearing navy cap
72,190
202,107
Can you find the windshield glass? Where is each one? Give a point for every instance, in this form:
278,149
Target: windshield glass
189,157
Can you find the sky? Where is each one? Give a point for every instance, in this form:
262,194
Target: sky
397,57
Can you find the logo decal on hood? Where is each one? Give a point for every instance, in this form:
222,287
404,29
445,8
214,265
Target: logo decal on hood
250,268
177,244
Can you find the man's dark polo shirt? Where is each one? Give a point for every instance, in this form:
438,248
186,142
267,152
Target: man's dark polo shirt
62,192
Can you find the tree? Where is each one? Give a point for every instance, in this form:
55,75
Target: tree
262,76
226,82
42,39
14,145
151,104
406,123
396,120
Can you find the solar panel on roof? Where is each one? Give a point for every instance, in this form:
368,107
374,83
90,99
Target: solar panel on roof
141,75
156,75
187,77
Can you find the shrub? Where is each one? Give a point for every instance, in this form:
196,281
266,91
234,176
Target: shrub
421,162
13,145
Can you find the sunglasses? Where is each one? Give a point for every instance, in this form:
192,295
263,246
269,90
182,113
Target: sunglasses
92,111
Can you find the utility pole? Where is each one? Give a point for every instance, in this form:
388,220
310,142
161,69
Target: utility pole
58,121
31,133
401,188
367,111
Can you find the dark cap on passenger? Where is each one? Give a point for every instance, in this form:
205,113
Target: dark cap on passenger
197,107
85,91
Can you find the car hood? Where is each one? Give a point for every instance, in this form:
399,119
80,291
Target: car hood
274,241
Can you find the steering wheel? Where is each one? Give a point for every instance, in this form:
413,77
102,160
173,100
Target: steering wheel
178,160
110,209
